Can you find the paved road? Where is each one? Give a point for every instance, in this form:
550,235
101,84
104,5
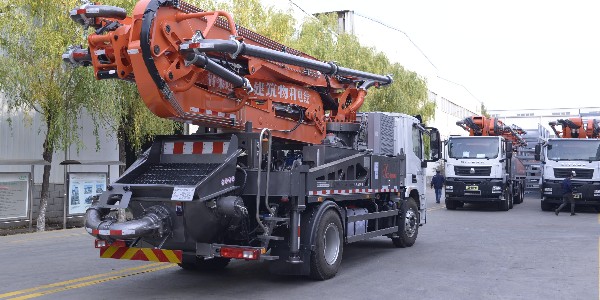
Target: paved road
470,253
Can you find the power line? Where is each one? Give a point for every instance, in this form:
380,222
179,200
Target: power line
464,87
405,34
312,16
380,23
300,8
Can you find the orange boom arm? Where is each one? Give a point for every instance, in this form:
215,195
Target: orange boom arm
199,67
482,126
576,128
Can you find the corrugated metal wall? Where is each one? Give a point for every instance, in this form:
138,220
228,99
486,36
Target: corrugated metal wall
25,137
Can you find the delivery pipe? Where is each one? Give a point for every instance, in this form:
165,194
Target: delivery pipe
154,223
85,13
235,48
202,61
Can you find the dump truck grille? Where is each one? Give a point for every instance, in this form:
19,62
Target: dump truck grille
175,174
579,173
472,171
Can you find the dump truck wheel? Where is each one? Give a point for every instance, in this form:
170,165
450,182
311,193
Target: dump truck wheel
325,260
520,195
450,204
503,205
201,264
545,206
409,229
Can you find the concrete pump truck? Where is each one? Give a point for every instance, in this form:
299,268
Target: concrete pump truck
481,167
575,150
283,170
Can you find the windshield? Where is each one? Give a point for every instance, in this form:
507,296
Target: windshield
574,149
473,147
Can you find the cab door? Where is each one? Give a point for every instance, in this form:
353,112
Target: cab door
415,176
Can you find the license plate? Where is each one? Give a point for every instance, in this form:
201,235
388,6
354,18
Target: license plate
577,195
472,188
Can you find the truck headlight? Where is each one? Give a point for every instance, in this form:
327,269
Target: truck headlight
496,189
449,188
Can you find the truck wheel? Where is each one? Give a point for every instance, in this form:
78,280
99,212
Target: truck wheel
325,260
503,205
407,235
511,201
517,196
201,264
520,195
450,204
545,206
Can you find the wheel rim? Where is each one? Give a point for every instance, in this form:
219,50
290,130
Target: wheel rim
410,223
332,243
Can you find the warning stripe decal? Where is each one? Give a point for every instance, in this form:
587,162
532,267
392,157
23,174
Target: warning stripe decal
352,191
195,147
146,254
112,232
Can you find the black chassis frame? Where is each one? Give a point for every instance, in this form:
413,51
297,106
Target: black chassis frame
349,176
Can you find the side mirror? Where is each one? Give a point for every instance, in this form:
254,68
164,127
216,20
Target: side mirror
435,144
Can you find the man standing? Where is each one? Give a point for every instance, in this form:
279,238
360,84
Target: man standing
437,182
567,189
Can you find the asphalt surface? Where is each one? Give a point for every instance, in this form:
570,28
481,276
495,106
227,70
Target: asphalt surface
471,253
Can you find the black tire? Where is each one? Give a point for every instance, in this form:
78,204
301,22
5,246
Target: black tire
325,260
511,201
545,206
450,204
520,195
409,229
503,205
201,264
459,204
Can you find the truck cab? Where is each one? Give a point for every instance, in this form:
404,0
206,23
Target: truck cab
404,135
560,157
478,169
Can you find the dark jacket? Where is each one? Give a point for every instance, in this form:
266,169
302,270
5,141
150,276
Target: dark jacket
567,186
438,181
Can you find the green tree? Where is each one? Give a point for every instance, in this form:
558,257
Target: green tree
317,37
33,36
407,94
484,111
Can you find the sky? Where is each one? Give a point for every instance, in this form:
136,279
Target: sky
510,54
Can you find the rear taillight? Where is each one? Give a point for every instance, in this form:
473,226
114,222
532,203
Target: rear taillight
240,253
103,243
100,243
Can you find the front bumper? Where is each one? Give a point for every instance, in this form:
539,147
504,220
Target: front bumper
474,190
585,192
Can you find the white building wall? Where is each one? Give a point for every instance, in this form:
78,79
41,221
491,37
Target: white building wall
24,139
